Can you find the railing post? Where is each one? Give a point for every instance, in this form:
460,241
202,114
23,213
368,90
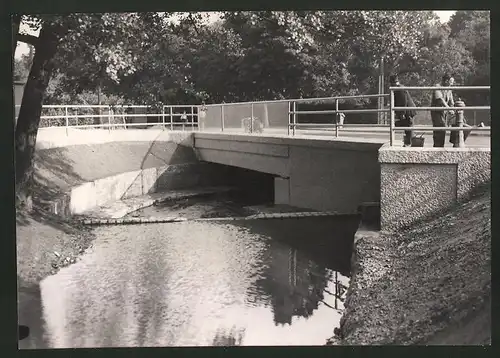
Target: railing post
109,119
294,118
336,117
66,117
391,125
163,116
289,119
171,118
251,118
192,118
222,118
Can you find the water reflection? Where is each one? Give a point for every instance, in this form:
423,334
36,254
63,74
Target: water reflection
197,283
291,281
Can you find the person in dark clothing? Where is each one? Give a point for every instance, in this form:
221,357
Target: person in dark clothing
402,98
441,98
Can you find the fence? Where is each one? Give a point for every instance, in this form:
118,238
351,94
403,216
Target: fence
274,117
118,116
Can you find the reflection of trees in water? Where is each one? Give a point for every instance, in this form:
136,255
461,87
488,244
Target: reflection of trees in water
152,274
232,338
293,283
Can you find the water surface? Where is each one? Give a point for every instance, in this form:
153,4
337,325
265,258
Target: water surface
261,282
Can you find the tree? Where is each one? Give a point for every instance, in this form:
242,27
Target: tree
31,106
62,33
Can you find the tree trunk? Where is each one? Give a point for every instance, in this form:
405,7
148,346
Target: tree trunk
31,109
16,22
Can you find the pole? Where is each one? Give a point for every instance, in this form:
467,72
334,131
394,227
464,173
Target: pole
192,118
382,85
336,118
171,118
294,109
222,118
66,117
391,105
289,120
163,116
460,123
379,118
251,118
109,119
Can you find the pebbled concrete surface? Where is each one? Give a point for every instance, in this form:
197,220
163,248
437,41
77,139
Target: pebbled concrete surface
416,183
429,285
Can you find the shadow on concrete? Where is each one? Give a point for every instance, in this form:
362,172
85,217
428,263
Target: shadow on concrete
53,175
176,154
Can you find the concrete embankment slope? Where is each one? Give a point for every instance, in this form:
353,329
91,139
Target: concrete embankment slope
430,284
83,169
62,161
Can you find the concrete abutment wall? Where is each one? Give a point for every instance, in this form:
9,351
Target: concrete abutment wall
311,173
417,183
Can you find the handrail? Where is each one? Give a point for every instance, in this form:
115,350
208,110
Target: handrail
435,88
299,100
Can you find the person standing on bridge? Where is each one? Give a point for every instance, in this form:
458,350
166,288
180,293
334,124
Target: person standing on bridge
402,98
441,98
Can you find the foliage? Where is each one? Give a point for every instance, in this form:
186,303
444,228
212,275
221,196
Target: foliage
147,58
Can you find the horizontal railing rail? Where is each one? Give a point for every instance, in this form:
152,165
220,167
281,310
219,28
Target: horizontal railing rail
299,100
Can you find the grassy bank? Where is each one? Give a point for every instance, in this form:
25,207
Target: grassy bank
428,285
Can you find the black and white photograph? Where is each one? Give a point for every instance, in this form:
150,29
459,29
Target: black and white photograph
252,178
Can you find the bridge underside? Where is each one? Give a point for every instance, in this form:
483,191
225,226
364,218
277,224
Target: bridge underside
311,173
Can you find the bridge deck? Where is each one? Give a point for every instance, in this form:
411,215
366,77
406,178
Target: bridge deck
364,134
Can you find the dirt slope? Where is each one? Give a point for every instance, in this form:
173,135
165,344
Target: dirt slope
429,285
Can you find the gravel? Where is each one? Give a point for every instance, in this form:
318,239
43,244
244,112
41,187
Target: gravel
424,285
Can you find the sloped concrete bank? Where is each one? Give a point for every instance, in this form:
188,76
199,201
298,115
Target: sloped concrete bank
89,169
430,284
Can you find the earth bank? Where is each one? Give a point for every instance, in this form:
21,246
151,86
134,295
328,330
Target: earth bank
428,285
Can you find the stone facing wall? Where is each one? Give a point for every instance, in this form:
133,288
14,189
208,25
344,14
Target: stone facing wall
416,183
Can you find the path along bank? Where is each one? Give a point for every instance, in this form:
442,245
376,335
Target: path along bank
430,284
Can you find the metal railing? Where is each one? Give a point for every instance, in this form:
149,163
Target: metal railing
193,117
291,122
337,112
459,110
188,117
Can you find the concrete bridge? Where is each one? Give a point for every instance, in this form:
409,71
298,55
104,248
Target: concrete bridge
313,172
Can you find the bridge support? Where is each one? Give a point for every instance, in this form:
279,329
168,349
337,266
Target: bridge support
281,191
